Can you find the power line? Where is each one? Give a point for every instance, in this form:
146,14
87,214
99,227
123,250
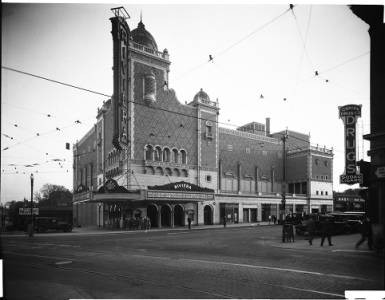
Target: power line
211,57
252,33
36,136
303,52
345,62
55,81
130,101
302,39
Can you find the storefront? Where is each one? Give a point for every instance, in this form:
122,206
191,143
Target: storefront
171,205
230,211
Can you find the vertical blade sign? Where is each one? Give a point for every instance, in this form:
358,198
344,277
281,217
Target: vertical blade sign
120,34
349,115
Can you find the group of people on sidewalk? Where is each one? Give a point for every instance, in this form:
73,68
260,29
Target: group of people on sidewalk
138,223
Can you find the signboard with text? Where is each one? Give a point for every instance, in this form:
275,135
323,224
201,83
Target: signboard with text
179,196
349,115
24,211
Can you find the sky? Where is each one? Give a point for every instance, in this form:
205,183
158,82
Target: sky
257,49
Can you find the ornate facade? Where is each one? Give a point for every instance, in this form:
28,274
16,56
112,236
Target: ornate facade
150,155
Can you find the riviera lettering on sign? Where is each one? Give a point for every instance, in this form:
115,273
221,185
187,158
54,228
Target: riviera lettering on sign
185,186
349,115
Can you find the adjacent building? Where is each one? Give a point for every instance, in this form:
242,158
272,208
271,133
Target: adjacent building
149,154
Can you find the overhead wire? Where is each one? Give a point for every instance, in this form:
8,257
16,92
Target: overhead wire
150,107
303,52
212,57
54,81
344,63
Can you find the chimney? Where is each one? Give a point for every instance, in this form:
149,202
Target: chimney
267,126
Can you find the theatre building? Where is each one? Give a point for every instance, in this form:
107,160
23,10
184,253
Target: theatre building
150,155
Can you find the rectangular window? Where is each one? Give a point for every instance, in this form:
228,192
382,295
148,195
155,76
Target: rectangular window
326,193
322,193
208,178
316,192
209,132
124,52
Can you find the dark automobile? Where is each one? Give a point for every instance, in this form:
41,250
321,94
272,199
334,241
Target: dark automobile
351,220
44,224
343,223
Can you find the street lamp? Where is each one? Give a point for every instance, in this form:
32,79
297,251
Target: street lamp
31,228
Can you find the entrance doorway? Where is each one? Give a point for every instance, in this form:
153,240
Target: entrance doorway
246,218
165,216
254,215
178,216
208,219
152,214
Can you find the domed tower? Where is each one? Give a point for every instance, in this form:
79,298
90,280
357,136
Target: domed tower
140,74
141,36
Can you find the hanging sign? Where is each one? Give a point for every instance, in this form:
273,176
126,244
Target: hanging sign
349,115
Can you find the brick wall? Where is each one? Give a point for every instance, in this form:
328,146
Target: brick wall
85,157
164,123
321,167
250,154
296,167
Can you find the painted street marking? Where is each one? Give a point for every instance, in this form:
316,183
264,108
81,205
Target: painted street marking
350,250
64,262
185,232
307,290
263,267
266,283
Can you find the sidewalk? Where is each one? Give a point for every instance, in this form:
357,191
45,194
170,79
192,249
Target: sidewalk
93,230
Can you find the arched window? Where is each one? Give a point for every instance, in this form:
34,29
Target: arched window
176,172
168,172
184,173
166,155
158,171
184,156
158,154
175,156
149,170
148,152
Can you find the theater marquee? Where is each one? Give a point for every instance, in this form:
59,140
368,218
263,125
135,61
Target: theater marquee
349,115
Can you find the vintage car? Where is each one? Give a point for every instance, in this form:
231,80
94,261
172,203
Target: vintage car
343,222
44,224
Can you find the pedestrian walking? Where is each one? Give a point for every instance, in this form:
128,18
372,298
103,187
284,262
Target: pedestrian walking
274,219
189,222
224,221
366,233
326,230
310,226
269,219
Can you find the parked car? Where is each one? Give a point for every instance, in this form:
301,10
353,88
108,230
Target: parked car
351,220
44,224
343,222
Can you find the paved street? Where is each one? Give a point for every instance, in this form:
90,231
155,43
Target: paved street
236,262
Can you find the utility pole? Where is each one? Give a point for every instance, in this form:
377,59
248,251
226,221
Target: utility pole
31,228
283,201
